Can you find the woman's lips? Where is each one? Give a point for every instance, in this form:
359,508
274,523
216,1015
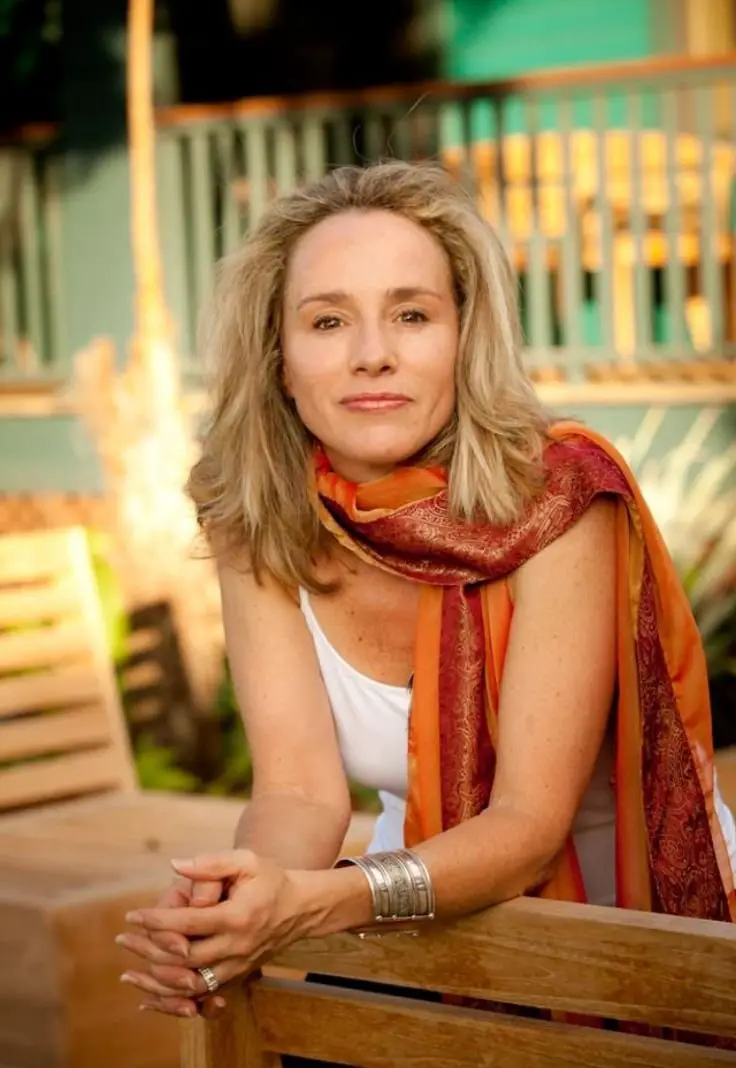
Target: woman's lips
375,402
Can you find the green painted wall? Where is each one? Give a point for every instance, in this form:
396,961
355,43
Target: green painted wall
500,38
497,39
54,455
97,280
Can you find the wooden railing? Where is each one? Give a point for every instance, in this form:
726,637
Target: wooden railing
614,189
30,257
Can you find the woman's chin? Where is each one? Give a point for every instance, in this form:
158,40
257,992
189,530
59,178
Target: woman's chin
366,465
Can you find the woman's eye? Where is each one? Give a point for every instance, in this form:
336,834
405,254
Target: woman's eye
326,322
412,315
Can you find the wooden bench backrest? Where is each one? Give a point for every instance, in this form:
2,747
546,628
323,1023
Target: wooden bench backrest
577,959
62,731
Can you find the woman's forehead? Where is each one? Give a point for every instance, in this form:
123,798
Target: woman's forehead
380,249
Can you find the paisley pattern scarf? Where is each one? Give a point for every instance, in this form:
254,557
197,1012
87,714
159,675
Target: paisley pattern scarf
670,853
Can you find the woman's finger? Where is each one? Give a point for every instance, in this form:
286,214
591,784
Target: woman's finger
192,922
208,951
177,896
206,893
226,865
146,983
146,948
170,942
187,981
225,971
184,1007
165,981
209,1008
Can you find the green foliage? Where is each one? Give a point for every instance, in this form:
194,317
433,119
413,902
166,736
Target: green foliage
112,603
158,769
691,490
236,775
158,766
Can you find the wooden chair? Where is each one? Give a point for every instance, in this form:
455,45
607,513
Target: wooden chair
79,843
579,959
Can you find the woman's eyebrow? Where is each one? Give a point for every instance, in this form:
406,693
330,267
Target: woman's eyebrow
338,296
335,296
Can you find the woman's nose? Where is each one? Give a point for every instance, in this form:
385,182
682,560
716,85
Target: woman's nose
372,351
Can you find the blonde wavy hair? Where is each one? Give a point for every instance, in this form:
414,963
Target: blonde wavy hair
251,485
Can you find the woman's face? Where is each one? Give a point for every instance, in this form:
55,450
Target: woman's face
370,339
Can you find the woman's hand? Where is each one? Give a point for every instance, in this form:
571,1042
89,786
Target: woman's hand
166,948
265,910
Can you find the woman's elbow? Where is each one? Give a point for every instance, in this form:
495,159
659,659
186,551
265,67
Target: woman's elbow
540,842
549,843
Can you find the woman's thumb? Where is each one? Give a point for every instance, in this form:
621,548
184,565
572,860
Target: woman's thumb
225,865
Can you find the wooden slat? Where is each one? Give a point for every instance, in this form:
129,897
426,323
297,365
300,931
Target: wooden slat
584,959
42,646
48,689
234,1044
67,776
372,1031
98,647
35,555
58,733
31,604
59,871
574,77
145,675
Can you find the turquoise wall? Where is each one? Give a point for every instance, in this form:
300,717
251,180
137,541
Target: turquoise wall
97,276
500,38
54,455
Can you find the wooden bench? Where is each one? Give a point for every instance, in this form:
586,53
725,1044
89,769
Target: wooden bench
79,843
648,969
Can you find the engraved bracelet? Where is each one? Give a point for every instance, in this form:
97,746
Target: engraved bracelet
400,885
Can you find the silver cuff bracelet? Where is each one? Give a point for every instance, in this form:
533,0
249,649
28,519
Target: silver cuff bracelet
400,885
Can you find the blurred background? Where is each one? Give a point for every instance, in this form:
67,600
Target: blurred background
140,142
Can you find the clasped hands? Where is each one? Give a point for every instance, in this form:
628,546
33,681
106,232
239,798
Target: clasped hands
226,911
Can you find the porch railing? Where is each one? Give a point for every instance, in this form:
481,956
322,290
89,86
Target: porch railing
614,189
30,258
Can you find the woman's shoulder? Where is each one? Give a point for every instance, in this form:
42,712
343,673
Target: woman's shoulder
584,552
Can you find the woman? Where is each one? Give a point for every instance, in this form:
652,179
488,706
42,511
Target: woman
397,521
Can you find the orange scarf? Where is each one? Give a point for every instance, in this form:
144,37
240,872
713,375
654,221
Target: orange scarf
670,853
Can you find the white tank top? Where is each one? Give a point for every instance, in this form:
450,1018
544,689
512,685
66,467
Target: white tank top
372,724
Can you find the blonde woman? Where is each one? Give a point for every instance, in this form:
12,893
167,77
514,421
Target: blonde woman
431,587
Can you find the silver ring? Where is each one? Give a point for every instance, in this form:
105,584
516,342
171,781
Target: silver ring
210,980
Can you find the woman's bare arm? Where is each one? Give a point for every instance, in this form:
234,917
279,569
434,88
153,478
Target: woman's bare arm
300,807
556,695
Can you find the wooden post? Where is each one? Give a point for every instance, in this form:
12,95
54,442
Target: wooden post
137,414
230,1039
